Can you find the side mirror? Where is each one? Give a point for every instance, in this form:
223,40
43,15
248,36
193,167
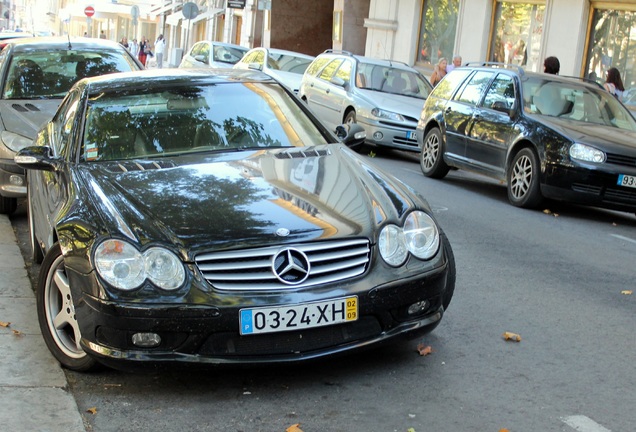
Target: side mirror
351,134
255,66
37,158
502,106
337,81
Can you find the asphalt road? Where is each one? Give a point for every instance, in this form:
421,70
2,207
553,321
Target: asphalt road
555,277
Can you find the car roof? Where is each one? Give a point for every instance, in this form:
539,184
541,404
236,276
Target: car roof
371,60
172,76
283,52
48,42
225,44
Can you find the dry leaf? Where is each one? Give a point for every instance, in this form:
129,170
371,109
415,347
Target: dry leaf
424,350
17,332
5,324
504,430
548,212
512,336
626,292
92,410
294,428
411,430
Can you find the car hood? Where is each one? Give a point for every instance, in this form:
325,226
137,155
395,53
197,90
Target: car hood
255,198
26,117
396,103
607,138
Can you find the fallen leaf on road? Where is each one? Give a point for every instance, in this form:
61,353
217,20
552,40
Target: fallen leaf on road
626,292
512,336
548,212
504,430
92,410
294,428
4,324
424,350
411,430
17,332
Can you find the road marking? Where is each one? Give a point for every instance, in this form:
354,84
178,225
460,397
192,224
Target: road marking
583,424
624,238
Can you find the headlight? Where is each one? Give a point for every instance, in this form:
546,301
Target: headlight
14,141
388,115
586,153
392,245
419,236
125,268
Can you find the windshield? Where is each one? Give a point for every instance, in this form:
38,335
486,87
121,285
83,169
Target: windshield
227,54
575,102
189,119
391,80
51,73
288,63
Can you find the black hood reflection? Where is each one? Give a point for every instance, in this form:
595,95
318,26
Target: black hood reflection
244,198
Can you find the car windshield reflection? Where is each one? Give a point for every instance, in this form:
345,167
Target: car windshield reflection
206,118
574,102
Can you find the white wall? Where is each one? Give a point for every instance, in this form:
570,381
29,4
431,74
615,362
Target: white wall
473,30
565,33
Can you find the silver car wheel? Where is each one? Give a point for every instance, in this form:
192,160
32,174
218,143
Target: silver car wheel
430,151
60,312
521,178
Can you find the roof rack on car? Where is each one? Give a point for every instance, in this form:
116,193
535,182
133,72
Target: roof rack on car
497,65
333,51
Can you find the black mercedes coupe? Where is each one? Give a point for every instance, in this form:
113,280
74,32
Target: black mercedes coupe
208,217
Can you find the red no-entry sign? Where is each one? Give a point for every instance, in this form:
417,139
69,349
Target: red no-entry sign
89,11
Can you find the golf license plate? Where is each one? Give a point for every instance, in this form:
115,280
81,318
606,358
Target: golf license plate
412,135
298,317
627,180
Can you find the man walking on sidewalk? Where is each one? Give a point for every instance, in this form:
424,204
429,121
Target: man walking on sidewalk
160,46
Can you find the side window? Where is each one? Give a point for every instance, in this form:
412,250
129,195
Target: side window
472,92
196,50
259,57
501,91
344,71
316,65
63,123
330,69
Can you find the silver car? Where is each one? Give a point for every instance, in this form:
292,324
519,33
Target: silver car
212,54
287,67
36,73
384,96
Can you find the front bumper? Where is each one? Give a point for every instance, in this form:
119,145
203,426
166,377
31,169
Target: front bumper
12,180
210,335
590,186
387,134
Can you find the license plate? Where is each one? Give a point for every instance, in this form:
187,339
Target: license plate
298,317
411,135
627,180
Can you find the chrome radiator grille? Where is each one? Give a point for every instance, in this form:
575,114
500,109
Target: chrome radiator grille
253,269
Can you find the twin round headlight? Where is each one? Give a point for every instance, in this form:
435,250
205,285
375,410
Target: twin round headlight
126,268
419,236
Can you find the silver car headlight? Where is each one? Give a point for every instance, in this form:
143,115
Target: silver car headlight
387,115
586,153
14,141
125,268
419,236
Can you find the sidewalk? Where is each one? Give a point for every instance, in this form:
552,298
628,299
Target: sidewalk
34,393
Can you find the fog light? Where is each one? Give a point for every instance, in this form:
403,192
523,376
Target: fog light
16,180
146,340
378,135
418,307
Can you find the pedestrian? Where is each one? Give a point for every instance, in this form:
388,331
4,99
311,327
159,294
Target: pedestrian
614,83
160,46
144,50
134,47
551,65
124,42
102,35
457,62
439,71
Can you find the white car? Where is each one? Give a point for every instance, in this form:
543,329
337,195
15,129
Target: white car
286,67
212,54
384,96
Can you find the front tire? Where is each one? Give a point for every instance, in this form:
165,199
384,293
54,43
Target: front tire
8,205
432,155
523,180
56,314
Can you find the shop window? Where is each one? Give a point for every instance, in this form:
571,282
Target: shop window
438,26
612,44
517,33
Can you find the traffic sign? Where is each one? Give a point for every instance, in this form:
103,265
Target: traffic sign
190,10
89,11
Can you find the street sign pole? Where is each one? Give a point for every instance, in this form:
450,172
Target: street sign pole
190,10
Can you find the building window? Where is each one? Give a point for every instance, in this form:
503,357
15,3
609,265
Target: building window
517,32
438,26
612,44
